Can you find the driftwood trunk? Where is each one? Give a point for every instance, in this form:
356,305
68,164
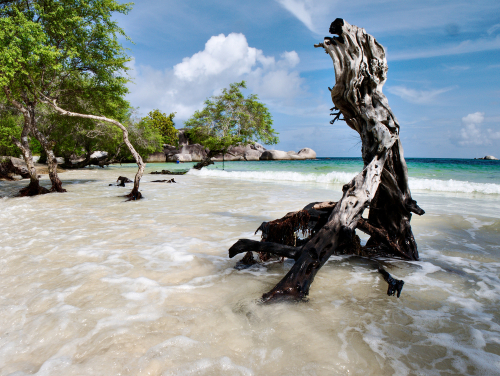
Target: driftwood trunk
360,73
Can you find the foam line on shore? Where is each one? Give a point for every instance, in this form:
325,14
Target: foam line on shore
337,177
332,177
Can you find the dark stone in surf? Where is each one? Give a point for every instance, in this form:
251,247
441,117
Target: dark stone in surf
122,180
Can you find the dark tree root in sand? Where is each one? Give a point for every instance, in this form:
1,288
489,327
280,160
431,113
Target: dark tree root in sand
57,186
134,195
321,230
33,189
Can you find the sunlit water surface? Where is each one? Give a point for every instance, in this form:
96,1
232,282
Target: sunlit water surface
93,285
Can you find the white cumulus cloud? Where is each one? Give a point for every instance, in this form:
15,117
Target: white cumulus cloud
230,55
225,59
472,133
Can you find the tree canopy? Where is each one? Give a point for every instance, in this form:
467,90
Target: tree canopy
63,53
9,127
230,118
55,48
165,125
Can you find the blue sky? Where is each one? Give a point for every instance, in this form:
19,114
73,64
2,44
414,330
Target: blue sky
443,80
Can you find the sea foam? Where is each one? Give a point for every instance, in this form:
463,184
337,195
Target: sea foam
337,177
332,177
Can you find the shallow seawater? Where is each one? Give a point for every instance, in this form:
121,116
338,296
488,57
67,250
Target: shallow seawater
91,284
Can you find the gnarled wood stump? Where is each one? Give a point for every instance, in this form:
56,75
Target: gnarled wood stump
360,73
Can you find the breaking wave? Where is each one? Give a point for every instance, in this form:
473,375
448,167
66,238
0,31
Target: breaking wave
337,177
332,177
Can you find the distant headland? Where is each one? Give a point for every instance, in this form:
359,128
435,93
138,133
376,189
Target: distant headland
488,158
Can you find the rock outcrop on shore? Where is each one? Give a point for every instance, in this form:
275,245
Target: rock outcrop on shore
275,155
257,152
12,168
187,152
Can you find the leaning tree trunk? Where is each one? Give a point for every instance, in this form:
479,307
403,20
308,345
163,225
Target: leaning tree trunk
34,188
48,146
135,194
360,72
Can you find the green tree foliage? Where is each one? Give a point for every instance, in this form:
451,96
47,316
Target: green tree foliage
147,139
11,123
165,125
9,126
63,51
230,118
44,43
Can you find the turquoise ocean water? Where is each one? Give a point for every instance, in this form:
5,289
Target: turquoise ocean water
439,175
94,285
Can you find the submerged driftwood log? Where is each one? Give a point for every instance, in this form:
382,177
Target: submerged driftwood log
164,181
168,172
360,73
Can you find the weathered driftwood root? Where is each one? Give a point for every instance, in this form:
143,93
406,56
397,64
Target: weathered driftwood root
247,245
246,261
292,225
289,229
360,73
